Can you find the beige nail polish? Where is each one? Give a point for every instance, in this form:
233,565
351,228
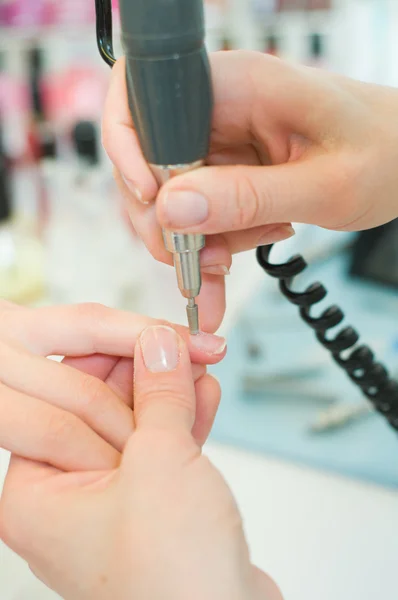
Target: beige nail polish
160,349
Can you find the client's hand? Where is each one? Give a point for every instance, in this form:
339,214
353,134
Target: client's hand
77,415
163,525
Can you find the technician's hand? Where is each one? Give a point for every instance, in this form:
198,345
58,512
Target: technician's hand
163,526
312,147
77,416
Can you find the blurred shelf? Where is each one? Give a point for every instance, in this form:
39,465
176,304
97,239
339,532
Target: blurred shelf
21,34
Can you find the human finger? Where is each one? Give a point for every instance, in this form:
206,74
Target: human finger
39,431
87,329
82,395
208,396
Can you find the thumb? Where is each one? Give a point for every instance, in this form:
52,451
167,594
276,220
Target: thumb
232,198
164,396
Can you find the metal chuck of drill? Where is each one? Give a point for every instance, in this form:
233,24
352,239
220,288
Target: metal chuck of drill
170,99
185,250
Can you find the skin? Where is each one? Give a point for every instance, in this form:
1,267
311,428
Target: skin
162,523
289,144
77,416
138,511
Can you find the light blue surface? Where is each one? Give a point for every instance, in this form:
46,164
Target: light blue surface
367,449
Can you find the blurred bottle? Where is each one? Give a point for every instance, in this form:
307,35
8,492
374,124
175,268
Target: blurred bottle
41,137
91,254
271,45
226,44
21,258
317,51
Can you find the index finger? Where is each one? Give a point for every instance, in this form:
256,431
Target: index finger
120,138
86,329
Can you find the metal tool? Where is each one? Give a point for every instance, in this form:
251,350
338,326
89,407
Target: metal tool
340,416
170,98
291,391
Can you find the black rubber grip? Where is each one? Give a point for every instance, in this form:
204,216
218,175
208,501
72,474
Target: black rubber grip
168,78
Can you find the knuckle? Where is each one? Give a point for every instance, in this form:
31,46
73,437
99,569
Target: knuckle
94,396
91,312
162,444
248,208
164,394
61,429
348,185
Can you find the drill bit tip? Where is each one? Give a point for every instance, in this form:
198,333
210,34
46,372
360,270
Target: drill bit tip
193,316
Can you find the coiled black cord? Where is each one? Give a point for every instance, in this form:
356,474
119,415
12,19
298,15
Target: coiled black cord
370,376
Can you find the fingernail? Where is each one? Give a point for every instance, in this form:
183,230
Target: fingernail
281,233
216,270
211,344
135,190
160,349
185,209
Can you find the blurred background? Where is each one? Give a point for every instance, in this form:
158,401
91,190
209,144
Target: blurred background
65,237
63,229
64,234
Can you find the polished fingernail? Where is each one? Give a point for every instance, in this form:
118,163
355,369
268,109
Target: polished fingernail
134,190
216,270
210,344
160,349
277,235
185,209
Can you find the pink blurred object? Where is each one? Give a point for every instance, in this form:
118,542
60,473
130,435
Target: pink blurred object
13,95
50,12
23,13
35,13
76,94
73,12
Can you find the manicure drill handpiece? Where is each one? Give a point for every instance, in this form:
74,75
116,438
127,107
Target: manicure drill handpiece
185,250
171,101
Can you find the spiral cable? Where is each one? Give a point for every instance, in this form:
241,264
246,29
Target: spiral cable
360,365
